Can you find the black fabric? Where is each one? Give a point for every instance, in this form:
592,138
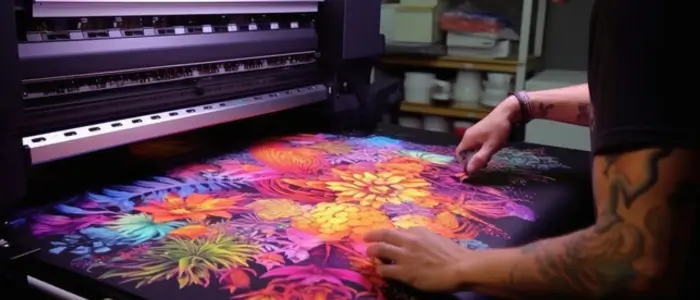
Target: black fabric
633,105
559,197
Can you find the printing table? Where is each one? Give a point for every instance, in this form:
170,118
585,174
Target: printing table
186,228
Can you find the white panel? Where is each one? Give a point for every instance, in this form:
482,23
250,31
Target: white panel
52,290
554,133
557,134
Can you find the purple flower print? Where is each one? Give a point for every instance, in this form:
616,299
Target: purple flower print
46,224
406,208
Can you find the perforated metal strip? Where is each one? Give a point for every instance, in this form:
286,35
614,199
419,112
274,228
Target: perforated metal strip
66,143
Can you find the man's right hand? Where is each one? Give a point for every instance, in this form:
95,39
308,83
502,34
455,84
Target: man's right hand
488,135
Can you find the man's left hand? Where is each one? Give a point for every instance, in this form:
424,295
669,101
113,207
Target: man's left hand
418,257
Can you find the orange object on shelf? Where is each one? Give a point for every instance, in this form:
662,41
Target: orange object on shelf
460,131
457,23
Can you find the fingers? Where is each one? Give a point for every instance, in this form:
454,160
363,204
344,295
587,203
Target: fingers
389,271
384,251
466,144
481,158
388,236
420,230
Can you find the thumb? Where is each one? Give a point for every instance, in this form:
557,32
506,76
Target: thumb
480,158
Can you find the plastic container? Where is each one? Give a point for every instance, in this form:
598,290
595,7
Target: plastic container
418,87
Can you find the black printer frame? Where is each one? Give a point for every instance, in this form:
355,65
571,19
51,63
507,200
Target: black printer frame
349,43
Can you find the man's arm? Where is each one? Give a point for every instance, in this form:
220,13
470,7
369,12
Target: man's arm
646,200
570,105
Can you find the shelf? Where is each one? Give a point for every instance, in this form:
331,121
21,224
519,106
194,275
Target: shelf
506,65
472,112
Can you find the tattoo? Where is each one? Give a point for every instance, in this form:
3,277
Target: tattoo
583,116
592,263
600,261
543,110
610,160
618,188
659,219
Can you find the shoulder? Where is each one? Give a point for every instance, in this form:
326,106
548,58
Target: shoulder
633,102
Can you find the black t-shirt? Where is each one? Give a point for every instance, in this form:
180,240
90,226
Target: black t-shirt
633,104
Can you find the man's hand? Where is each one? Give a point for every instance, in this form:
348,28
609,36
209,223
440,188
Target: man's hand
488,135
420,258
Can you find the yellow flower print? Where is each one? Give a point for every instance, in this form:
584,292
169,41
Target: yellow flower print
375,189
275,209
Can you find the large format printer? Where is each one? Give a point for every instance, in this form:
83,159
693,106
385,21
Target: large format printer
82,76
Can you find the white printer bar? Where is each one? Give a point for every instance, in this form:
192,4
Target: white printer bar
109,8
66,143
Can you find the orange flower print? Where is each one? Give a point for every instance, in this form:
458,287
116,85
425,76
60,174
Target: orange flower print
407,165
236,279
335,221
195,207
268,293
333,147
287,159
367,267
192,231
319,291
461,229
269,260
375,189
444,223
410,221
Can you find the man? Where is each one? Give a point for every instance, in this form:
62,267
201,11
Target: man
645,178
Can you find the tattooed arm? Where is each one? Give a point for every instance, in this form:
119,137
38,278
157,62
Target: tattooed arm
646,200
568,105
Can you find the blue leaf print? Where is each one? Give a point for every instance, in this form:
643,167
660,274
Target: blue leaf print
136,229
152,185
99,198
379,141
435,158
73,243
58,249
167,180
128,188
473,244
106,235
116,193
81,250
184,191
123,203
72,210
18,222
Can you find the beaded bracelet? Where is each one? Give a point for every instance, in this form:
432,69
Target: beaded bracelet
525,106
